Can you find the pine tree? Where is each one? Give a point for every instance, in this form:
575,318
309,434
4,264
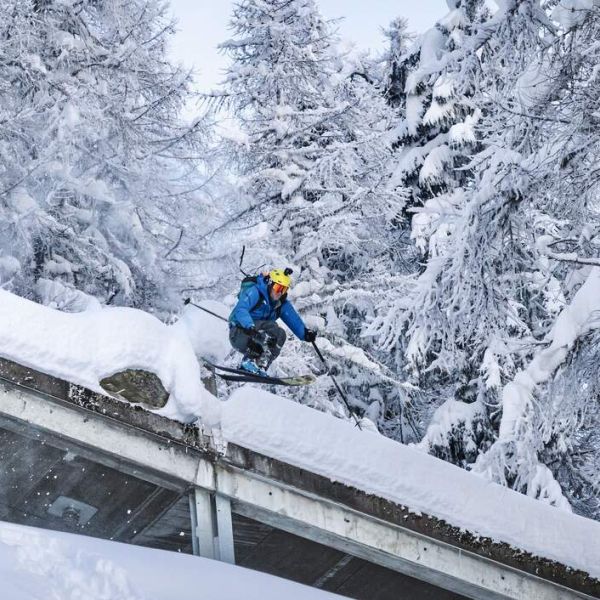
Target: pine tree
499,307
397,63
433,139
436,130
547,444
313,161
94,183
464,317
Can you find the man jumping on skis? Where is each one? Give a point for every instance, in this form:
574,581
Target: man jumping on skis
252,327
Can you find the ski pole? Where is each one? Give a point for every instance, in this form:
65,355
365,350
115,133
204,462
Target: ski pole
210,312
337,386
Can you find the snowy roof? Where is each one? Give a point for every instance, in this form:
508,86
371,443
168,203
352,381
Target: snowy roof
85,347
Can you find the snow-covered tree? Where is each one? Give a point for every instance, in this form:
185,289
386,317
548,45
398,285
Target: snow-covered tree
397,63
435,132
96,164
444,212
433,137
313,157
463,312
546,444
498,307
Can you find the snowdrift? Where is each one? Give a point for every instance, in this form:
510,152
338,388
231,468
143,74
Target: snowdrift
87,346
36,563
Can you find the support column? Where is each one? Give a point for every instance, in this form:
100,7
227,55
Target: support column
224,529
204,529
212,528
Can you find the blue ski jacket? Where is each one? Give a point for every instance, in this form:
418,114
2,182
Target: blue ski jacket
249,308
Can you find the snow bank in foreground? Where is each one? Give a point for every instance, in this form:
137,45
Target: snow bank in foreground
86,347
36,563
370,462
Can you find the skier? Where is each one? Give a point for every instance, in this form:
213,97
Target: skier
252,323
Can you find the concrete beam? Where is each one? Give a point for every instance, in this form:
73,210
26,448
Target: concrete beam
383,543
108,441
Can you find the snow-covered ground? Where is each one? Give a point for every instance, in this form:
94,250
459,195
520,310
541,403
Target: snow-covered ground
86,346
36,563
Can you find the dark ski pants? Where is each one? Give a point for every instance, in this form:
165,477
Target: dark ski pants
264,347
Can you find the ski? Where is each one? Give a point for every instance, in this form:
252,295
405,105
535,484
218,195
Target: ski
241,376
288,381
211,365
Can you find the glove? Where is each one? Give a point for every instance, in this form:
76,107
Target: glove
310,335
250,331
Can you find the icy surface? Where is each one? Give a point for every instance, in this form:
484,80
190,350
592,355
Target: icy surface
36,563
339,451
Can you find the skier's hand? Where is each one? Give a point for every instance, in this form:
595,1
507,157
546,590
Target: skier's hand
310,335
250,331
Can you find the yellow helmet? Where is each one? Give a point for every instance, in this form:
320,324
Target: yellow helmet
281,276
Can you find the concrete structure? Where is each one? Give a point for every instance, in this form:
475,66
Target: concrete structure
74,460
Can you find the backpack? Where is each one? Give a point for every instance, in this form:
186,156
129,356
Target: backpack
246,284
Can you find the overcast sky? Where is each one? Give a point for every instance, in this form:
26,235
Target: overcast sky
203,24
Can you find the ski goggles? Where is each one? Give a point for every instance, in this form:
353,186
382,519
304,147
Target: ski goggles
279,289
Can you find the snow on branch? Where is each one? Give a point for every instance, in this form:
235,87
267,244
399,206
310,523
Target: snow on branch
516,447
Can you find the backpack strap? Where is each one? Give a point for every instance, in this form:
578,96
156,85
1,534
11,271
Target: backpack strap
282,301
251,280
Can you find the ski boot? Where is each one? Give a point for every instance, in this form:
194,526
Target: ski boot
251,367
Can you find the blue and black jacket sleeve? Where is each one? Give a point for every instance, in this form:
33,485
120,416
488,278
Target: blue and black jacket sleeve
240,315
292,319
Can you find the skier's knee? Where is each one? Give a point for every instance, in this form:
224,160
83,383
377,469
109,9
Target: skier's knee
281,337
254,348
